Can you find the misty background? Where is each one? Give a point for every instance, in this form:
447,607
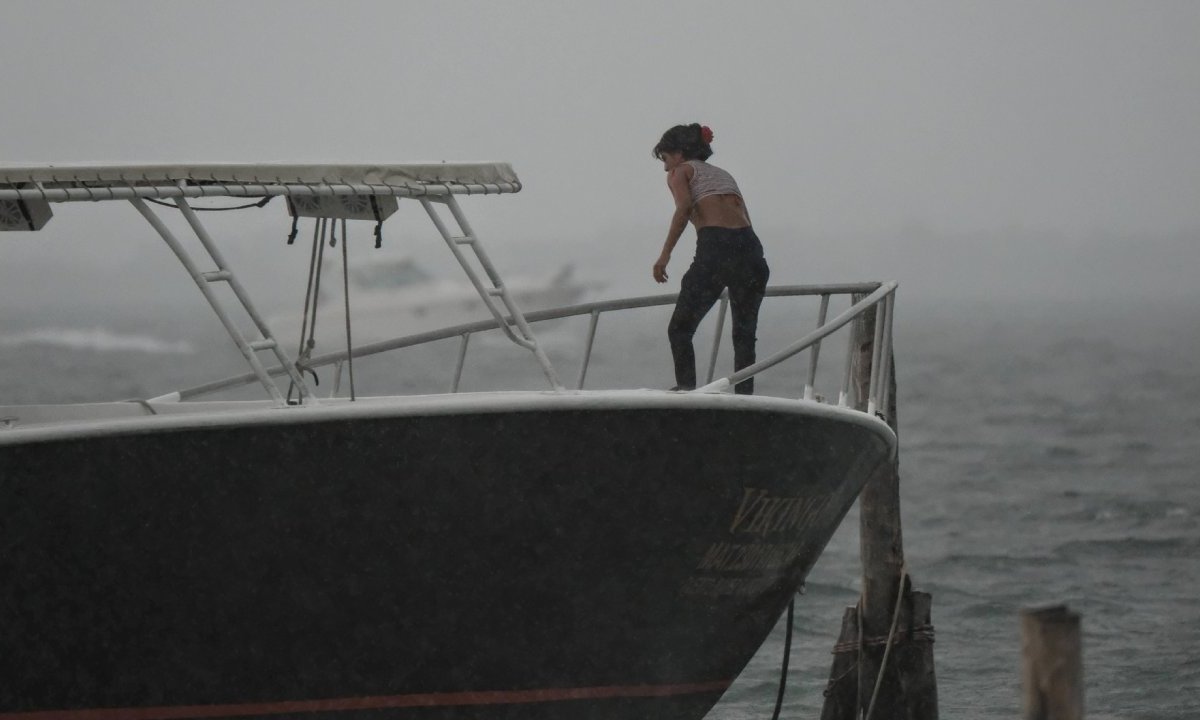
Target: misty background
983,154
1028,171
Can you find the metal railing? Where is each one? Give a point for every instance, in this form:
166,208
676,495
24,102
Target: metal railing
872,300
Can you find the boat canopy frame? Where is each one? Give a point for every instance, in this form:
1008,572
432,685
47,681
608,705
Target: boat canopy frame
429,184
82,183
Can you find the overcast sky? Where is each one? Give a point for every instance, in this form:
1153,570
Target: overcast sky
989,148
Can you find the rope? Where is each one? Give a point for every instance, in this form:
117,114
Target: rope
378,223
859,664
787,653
316,292
260,203
304,352
346,287
295,221
891,636
834,681
919,633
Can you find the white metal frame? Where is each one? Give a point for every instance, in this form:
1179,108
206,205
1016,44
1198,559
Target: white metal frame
93,191
505,314
862,298
223,273
514,323
494,293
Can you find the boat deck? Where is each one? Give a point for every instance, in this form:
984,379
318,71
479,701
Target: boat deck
29,423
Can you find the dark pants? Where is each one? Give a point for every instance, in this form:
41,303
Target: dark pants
725,258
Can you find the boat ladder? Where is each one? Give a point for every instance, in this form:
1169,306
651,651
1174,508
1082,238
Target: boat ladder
509,317
205,280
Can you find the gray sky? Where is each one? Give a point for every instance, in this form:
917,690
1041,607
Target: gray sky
995,149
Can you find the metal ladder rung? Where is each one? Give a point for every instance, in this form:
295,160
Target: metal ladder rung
217,276
264,344
496,291
463,240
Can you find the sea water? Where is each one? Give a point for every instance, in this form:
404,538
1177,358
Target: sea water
1046,457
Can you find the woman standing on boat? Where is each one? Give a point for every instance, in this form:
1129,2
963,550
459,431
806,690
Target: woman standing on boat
728,253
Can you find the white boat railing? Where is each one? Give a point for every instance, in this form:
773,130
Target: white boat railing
867,299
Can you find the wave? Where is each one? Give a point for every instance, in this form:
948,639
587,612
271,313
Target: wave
1131,547
96,339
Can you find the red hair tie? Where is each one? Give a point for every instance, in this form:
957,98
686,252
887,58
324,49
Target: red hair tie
706,134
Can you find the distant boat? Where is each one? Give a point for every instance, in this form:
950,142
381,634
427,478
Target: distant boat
395,296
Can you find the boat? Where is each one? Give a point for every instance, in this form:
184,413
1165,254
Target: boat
559,552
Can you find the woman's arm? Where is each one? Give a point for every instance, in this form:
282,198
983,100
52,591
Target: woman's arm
677,181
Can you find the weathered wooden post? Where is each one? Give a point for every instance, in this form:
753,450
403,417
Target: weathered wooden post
1051,664
841,694
888,607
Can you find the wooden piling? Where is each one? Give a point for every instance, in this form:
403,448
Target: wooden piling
907,683
842,689
1051,664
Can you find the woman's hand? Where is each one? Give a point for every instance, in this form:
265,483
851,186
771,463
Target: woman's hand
660,268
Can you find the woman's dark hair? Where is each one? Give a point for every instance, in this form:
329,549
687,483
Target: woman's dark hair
687,139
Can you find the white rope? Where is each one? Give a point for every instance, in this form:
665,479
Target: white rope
891,636
312,266
346,288
859,663
324,226
308,322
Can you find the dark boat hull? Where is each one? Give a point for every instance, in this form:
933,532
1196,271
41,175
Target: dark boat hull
569,562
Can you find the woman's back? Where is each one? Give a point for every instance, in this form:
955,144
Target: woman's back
716,199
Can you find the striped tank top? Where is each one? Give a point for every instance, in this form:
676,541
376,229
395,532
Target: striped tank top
710,180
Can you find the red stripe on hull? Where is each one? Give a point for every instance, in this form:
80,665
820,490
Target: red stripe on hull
378,702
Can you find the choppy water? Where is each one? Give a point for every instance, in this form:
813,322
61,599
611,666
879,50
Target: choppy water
1046,457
